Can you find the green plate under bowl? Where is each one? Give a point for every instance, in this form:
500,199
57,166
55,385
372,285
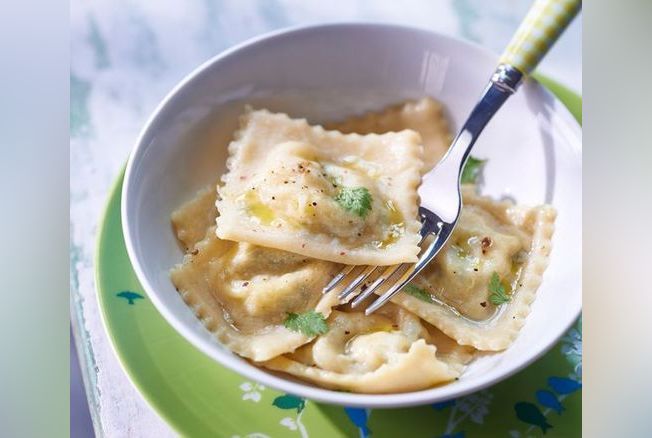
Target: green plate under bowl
199,397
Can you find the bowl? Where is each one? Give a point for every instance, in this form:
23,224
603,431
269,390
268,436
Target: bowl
327,72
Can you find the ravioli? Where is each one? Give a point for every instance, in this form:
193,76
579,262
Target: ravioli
242,292
492,238
298,200
425,116
195,217
343,198
387,352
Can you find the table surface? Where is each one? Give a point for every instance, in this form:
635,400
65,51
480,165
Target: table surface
126,55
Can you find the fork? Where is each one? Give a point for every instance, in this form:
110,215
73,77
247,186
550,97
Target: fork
441,199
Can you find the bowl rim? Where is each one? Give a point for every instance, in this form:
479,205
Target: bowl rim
234,362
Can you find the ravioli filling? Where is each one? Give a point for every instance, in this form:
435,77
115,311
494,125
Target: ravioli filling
479,289
479,248
242,292
297,192
343,198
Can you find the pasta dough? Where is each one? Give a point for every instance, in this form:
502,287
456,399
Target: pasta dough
242,292
492,237
390,351
425,116
343,198
194,218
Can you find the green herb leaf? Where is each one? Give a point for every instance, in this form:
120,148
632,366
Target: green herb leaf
356,200
310,323
498,295
417,292
472,170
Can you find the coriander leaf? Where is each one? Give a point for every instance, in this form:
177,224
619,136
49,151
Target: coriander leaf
356,200
310,323
498,295
417,292
472,170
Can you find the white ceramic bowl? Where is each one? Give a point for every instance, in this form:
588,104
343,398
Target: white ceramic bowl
327,72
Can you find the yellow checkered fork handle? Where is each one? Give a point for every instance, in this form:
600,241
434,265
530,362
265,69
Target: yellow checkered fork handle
544,22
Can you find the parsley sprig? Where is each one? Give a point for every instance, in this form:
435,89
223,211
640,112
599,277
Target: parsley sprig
498,294
417,292
356,200
472,170
310,323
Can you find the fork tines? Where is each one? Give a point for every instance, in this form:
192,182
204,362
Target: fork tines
407,271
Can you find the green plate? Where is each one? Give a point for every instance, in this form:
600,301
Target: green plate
199,397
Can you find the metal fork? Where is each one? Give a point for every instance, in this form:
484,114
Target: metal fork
441,199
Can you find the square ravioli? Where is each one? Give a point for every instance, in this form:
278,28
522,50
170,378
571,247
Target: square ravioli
242,293
425,116
479,288
387,352
345,198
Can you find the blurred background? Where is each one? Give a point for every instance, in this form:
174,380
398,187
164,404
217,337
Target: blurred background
126,55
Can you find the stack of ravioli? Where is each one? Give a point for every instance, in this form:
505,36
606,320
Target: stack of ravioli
299,201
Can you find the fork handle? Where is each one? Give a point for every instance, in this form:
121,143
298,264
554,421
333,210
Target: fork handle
543,24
